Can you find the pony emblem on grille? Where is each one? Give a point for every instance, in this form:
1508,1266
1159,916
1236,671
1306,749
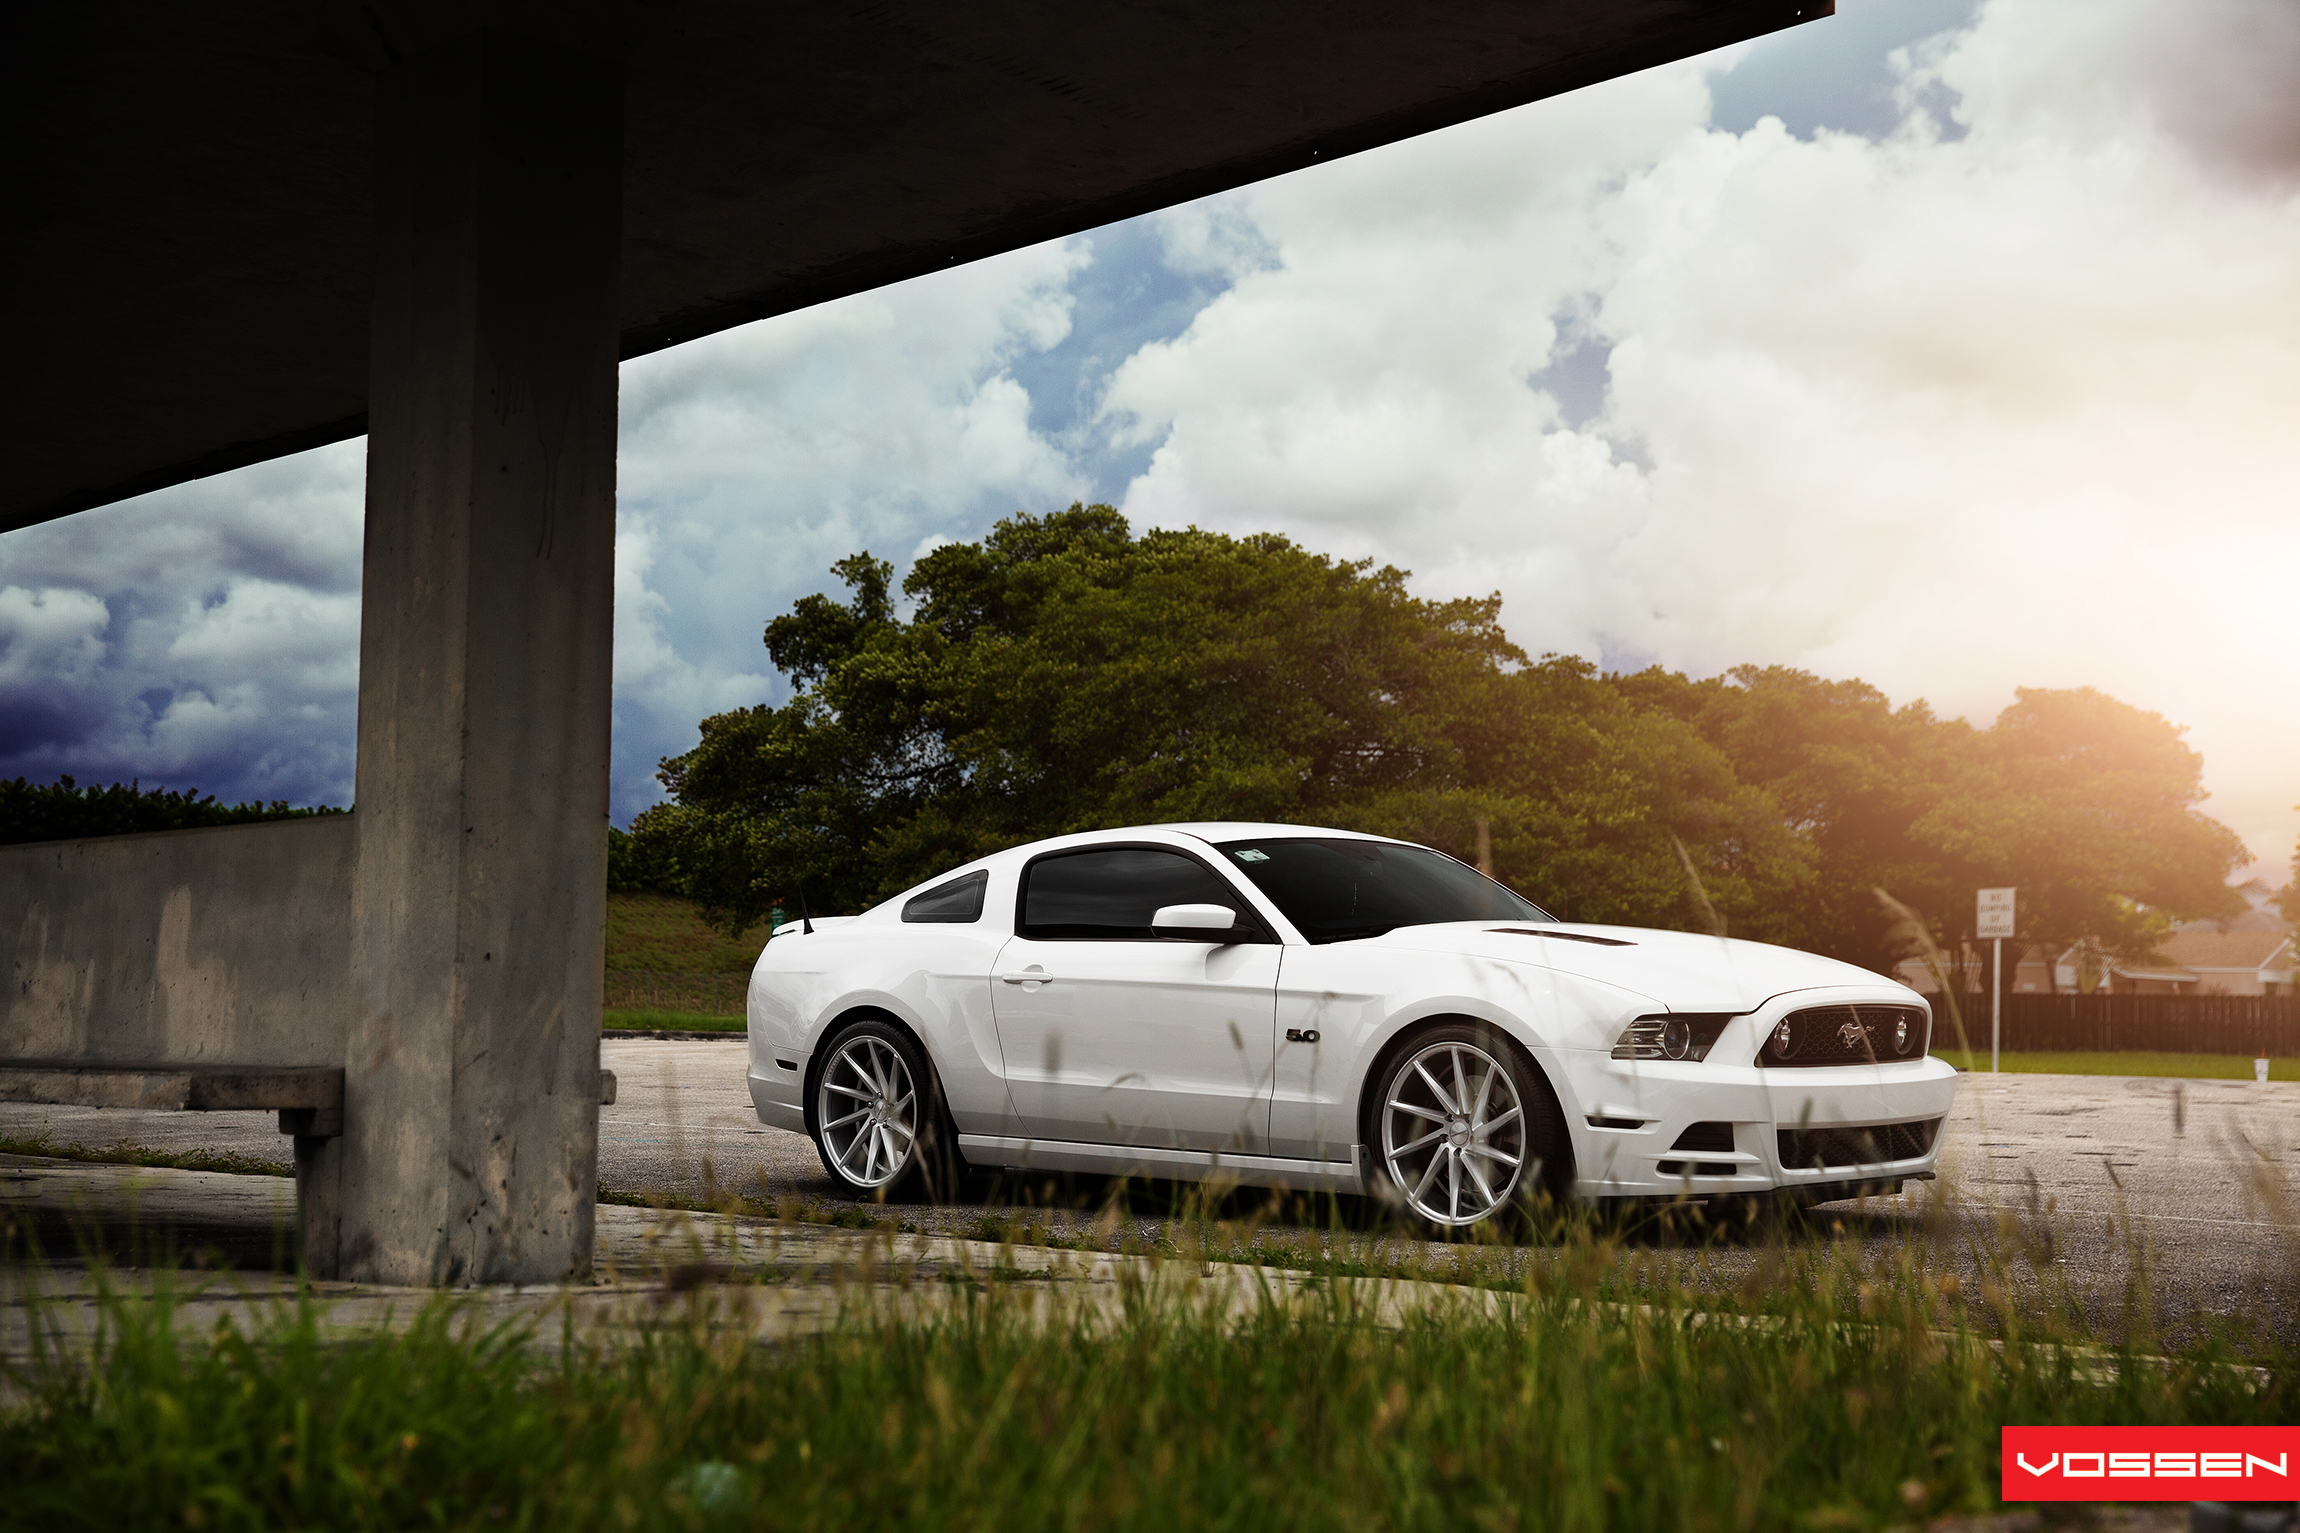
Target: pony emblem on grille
1852,1036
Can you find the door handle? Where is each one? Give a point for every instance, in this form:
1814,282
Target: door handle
1032,976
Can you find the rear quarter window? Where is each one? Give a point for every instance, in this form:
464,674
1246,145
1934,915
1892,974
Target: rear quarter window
955,903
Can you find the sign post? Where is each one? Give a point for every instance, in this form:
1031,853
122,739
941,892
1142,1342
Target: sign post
1995,921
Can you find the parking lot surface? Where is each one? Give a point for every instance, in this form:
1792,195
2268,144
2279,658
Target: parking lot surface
2199,1174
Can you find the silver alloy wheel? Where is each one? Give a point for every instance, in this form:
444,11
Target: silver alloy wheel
867,1111
1453,1133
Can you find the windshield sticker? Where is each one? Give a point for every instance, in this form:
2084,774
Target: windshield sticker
1250,855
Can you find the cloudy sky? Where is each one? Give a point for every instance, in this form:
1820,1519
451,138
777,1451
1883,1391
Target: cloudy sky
1950,345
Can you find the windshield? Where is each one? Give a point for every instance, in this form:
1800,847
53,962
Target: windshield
1335,889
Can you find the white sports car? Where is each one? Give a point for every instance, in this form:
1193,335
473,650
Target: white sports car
1282,1006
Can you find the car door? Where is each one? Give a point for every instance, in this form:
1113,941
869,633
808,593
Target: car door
1113,1036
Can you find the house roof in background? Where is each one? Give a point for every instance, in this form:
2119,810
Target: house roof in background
2152,971
188,269
2224,950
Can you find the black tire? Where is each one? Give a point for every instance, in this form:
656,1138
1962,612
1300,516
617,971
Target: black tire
1452,1170
876,1113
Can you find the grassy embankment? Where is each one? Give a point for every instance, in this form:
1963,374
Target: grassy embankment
654,931
1838,1392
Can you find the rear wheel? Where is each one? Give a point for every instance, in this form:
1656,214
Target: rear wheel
1464,1130
879,1122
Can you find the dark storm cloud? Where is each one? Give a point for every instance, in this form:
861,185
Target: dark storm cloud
204,637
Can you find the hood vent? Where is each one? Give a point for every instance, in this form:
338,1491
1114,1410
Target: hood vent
1535,931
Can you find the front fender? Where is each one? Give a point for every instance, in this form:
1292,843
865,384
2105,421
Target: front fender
1360,1000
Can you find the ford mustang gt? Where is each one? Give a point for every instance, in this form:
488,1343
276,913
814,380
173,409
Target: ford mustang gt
1277,1005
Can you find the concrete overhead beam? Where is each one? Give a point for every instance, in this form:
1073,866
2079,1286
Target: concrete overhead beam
188,271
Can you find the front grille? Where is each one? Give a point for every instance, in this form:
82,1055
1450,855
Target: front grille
1846,1035
1875,1144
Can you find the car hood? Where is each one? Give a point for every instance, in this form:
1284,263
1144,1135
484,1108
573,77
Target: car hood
1684,971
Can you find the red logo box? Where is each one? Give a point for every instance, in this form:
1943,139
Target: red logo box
2152,1463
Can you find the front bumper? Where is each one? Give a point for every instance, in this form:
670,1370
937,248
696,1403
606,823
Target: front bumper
1864,1123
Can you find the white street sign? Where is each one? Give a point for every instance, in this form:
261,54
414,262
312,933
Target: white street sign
1996,913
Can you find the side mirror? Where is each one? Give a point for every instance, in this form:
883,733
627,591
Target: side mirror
1200,923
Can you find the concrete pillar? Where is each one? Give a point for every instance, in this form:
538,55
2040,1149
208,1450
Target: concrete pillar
471,1086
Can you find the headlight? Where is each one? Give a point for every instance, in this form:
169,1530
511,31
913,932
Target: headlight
1671,1035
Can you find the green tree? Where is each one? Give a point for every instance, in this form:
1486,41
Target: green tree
2088,806
2085,803
1849,776
1064,675
63,810
2288,898
1587,791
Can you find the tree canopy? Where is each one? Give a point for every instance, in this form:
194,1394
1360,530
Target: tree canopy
1063,674
64,811
2288,897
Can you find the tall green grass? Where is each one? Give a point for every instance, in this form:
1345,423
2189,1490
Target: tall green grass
674,1021
2227,1067
1831,1390
1608,1375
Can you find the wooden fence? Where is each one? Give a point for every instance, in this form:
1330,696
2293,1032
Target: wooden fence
717,995
2178,1024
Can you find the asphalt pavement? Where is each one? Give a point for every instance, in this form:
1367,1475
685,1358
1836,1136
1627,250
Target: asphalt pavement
2077,1172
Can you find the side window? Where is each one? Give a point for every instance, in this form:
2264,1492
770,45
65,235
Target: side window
1111,895
957,903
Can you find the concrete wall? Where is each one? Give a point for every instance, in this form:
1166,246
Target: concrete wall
230,944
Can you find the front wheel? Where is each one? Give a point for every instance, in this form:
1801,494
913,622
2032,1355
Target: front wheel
1465,1129
879,1122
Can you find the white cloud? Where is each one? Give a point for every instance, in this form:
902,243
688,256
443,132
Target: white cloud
308,640
1999,399
1952,413
753,460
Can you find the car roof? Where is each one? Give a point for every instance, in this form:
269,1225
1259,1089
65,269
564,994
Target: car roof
1212,832
1251,830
